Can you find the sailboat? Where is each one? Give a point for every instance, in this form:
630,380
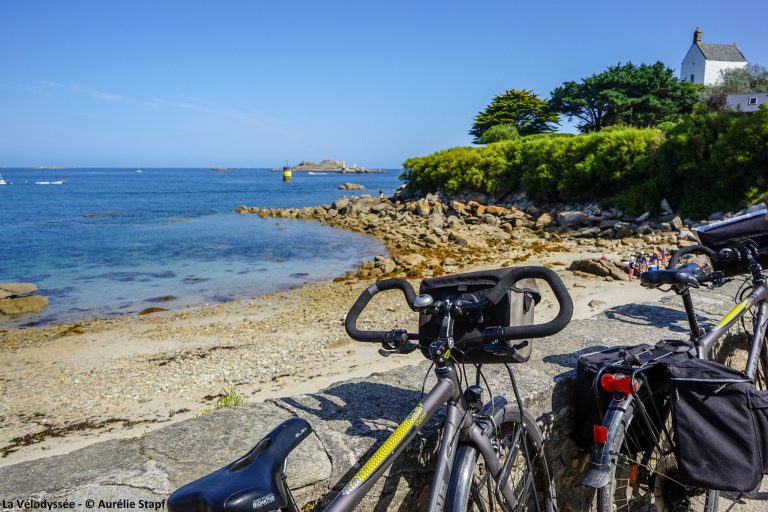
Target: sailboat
2,181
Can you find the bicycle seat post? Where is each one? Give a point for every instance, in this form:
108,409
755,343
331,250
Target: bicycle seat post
685,293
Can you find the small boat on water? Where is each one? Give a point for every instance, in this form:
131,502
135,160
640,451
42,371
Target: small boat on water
2,181
55,181
139,171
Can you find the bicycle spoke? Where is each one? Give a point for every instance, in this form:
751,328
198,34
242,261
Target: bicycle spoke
521,482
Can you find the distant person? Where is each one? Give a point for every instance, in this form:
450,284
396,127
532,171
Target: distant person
381,193
642,262
654,261
631,266
663,253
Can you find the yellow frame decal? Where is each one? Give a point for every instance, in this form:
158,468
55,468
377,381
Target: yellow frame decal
413,421
741,306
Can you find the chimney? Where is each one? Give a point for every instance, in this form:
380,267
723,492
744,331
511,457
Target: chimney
697,36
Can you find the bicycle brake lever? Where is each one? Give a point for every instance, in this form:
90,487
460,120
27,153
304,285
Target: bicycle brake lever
405,348
386,352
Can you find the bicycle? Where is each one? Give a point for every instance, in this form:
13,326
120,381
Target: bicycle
490,455
634,465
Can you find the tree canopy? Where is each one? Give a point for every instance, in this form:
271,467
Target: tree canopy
625,94
521,109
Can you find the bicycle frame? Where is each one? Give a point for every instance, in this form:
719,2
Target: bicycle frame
459,427
759,298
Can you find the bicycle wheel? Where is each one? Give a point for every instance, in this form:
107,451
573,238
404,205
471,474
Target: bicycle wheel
646,480
473,488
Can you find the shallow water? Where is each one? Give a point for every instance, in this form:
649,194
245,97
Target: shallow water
114,241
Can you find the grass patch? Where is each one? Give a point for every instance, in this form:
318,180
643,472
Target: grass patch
229,397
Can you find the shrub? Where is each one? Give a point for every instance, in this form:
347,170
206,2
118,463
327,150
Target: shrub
704,162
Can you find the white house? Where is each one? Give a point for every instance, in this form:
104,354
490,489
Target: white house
748,102
704,62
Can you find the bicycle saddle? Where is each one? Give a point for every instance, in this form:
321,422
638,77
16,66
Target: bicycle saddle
685,275
254,482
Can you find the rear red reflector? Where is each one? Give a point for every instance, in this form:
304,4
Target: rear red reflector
599,434
618,383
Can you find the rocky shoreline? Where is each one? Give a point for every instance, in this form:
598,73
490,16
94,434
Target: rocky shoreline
432,236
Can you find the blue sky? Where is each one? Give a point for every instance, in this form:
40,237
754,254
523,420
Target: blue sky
254,84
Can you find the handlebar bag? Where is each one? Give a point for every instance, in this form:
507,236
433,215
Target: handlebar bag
591,402
515,308
716,443
730,232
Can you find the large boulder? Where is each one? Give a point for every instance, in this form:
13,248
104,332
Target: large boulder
351,186
677,223
573,218
23,305
411,260
14,289
422,207
544,220
340,203
599,267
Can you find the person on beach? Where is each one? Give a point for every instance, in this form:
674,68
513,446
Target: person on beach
663,253
642,262
381,193
653,262
631,265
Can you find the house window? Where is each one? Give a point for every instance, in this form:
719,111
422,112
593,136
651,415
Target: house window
752,100
691,77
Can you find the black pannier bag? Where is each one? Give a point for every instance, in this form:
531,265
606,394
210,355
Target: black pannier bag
716,441
515,308
758,404
591,401
727,233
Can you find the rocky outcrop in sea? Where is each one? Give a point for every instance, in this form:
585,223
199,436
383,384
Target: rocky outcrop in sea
332,166
18,299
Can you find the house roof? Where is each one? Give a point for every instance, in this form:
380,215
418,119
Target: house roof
721,52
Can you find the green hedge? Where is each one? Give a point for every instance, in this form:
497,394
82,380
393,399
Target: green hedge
706,162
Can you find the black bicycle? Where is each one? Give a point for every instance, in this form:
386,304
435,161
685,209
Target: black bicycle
663,443
491,454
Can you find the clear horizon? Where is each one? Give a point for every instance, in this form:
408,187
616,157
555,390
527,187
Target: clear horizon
253,85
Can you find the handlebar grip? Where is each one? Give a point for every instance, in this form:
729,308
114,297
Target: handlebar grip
688,250
350,324
555,325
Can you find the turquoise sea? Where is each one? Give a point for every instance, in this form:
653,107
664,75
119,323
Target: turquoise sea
113,241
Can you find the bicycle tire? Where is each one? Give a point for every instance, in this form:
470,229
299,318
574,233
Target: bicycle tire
635,486
477,493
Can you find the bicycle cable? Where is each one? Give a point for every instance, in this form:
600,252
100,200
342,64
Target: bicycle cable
426,376
479,375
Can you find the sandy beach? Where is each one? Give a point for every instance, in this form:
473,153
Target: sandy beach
65,386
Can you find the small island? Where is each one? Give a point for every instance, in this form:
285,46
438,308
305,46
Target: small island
332,166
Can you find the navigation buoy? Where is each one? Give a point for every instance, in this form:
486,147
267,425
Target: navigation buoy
287,174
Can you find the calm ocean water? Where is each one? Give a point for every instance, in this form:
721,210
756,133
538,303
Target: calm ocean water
111,241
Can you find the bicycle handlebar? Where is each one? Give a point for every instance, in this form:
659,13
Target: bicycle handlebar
350,324
689,250
489,298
